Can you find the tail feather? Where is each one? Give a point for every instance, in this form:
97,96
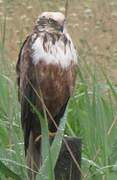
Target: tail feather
33,157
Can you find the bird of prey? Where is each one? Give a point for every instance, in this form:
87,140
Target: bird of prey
46,67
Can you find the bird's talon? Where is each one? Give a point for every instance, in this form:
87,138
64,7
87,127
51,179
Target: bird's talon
52,134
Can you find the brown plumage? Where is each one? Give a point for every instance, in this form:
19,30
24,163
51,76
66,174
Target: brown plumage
46,66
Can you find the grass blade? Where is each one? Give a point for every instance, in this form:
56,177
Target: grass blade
7,172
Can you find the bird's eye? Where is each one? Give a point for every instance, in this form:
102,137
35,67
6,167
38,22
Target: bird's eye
50,21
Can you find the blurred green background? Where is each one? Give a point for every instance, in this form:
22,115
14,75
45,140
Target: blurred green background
92,111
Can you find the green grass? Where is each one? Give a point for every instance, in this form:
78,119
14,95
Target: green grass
93,117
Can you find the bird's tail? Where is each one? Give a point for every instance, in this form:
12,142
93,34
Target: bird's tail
33,157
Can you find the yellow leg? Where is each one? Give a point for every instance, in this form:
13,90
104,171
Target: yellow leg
51,134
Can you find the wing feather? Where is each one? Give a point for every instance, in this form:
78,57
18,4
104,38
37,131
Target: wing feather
26,93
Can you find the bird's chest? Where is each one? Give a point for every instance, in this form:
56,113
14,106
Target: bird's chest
54,63
53,50
55,84
54,80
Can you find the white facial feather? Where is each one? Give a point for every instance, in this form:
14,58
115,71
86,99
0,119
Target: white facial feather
57,16
55,54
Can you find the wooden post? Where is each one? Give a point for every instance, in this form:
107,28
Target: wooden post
69,161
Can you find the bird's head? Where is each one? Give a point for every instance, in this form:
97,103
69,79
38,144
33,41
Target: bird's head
51,22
